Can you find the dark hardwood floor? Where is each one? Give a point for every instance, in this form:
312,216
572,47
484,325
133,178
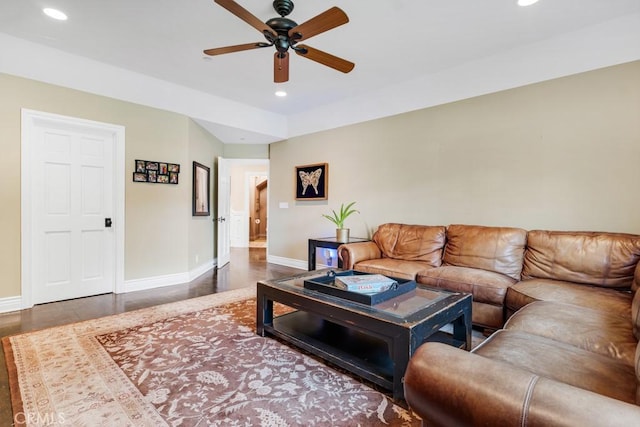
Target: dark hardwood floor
247,266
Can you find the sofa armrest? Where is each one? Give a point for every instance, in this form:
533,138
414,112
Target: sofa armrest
352,253
447,386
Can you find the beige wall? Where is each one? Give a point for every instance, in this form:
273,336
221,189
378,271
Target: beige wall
246,151
159,229
562,154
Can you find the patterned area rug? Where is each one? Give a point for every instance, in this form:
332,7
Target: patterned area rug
197,362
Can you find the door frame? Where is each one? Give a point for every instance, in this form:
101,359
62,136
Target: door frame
31,119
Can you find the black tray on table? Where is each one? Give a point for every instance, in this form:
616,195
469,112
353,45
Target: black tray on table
326,284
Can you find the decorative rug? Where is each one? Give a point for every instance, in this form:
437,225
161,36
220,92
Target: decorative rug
196,362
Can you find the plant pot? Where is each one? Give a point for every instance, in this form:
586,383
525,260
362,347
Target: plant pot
342,235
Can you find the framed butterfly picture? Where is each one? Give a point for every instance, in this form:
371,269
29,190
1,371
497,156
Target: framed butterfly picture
312,182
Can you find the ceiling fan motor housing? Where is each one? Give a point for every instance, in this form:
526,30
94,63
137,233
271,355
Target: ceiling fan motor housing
281,26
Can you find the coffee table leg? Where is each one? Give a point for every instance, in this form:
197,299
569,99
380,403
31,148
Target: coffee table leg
311,261
462,327
400,355
264,315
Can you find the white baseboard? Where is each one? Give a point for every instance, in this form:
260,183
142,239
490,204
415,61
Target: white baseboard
15,303
166,280
204,268
154,282
10,304
288,262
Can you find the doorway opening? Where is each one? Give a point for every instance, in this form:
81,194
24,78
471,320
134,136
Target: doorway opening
258,212
249,184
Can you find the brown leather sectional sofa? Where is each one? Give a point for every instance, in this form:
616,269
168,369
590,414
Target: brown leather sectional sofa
568,353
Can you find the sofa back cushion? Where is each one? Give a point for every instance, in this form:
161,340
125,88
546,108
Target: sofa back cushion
498,249
600,259
411,242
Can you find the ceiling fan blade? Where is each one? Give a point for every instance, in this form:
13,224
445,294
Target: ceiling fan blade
325,58
326,21
281,67
236,48
246,16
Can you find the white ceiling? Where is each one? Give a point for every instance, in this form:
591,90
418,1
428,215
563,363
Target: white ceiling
409,54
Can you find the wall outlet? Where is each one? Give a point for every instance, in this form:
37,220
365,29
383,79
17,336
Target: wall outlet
197,258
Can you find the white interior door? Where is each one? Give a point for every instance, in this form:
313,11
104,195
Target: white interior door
224,217
72,247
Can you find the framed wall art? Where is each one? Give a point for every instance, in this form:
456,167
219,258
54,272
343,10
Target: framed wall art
201,191
156,172
312,182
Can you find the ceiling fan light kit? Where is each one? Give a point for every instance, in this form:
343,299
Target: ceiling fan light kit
55,14
284,34
525,3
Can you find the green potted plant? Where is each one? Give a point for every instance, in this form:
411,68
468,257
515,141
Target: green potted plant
338,218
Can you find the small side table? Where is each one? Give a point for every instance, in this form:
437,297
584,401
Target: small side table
330,243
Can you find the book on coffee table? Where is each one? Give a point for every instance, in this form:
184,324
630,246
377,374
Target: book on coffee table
365,283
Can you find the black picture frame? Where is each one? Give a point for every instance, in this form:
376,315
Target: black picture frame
312,182
201,190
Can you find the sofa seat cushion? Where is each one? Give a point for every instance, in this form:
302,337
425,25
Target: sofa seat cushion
486,286
562,362
593,330
487,315
397,268
528,291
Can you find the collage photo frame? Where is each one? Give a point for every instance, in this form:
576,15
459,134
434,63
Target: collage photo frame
156,172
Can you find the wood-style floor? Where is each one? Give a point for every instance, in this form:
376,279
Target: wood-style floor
247,266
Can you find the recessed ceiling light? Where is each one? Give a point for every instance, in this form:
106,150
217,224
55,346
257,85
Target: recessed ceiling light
281,93
55,14
526,2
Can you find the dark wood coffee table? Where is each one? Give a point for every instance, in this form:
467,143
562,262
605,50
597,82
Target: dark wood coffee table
373,342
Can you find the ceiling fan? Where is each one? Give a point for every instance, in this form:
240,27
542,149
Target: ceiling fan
283,33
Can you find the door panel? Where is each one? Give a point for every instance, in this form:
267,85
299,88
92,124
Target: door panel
56,183
57,255
93,267
92,191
